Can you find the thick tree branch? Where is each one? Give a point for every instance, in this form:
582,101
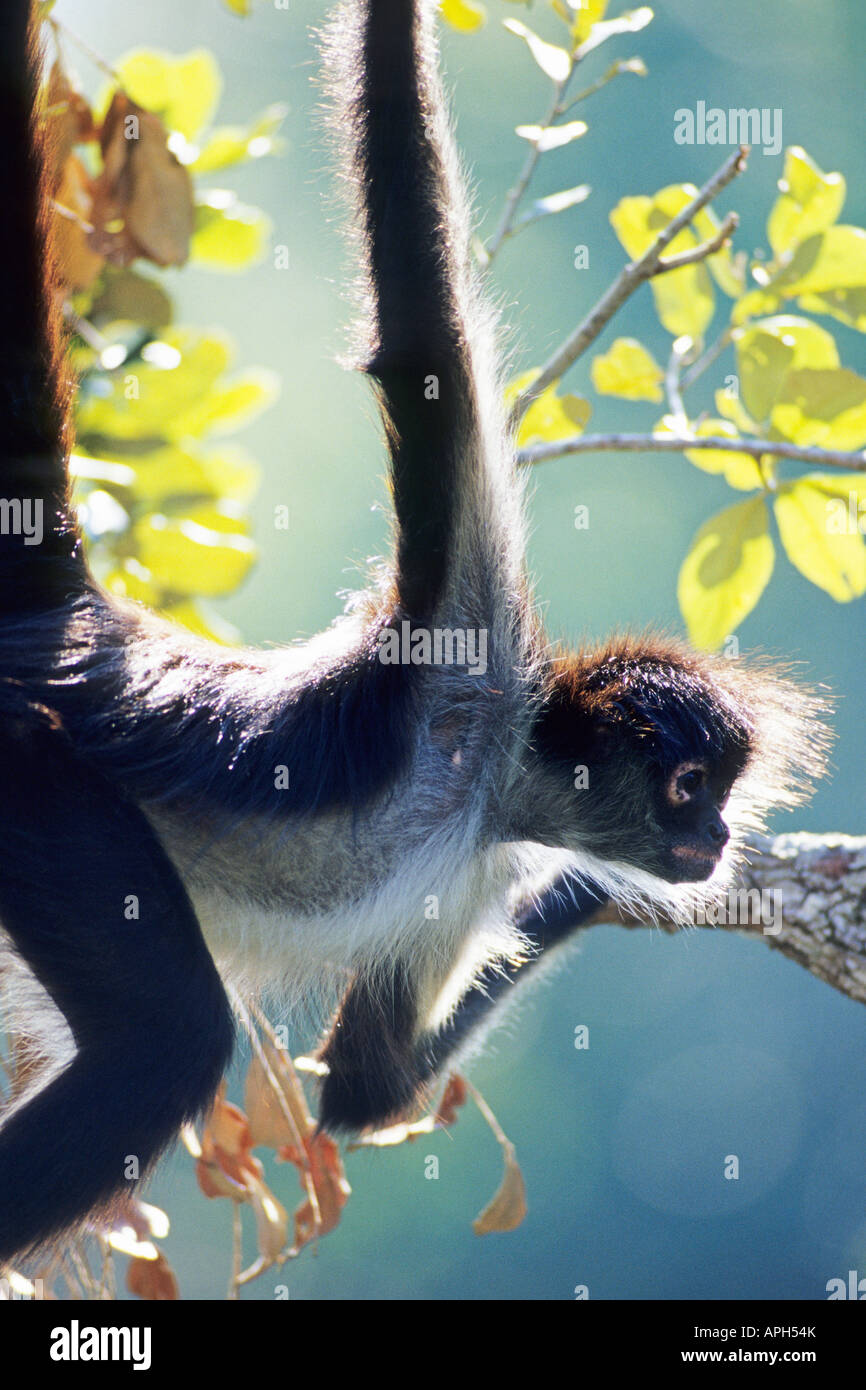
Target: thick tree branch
808,900
671,443
635,273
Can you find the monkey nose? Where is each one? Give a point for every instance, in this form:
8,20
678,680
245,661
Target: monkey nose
717,832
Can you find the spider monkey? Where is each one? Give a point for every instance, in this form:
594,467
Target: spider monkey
422,801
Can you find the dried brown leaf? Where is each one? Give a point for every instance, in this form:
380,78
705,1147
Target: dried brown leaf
268,1121
320,1165
143,204
78,262
152,1279
508,1207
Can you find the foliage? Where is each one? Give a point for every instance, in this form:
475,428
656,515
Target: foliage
789,384
162,499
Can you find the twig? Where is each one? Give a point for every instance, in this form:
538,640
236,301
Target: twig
621,66
706,248
673,390
675,444
515,195
635,273
708,358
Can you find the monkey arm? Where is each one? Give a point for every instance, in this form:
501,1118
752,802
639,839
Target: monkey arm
376,1065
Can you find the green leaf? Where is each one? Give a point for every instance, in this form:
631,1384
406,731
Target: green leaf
848,306
183,91
740,471
589,12
230,145
550,416
551,137
185,557
199,617
629,371
834,562
555,62
830,260
228,235
684,298
228,407
725,572
768,349
126,295
148,399
464,15
823,408
810,201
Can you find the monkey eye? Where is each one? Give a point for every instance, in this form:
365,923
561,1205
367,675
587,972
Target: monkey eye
686,784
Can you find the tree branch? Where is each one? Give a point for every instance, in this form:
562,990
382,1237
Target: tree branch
635,273
813,892
671,443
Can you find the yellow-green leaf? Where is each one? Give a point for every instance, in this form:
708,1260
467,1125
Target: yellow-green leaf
127,295
186,558
589,12
464,15
834,561
823,408
731,408
830,260
551,416
725,572
149,399
684,298
243,8
199,618
182,90
230,145
228,235
739,470
628,370
131,580
846,305
768,349
810,201
230,406
554,61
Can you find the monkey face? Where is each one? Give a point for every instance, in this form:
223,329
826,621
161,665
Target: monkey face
693,796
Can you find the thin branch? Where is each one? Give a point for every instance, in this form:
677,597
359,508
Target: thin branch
515,195
708,358
635,273
676,444
706,248
673,389
807,901
615,70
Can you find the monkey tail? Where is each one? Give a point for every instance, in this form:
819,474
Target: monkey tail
36,522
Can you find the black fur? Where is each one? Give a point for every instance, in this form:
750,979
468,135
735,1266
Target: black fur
149,1017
